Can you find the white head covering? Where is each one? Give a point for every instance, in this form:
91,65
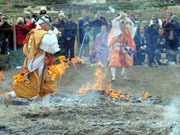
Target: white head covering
20,19
40,21
61,14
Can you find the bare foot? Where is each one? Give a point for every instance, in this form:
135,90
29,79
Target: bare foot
7,97
49,109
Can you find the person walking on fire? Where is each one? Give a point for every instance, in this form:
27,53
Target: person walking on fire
39,46
121,45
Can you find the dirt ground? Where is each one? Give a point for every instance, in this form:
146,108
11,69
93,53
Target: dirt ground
99,118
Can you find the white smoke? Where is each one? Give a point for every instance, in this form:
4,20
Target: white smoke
172,114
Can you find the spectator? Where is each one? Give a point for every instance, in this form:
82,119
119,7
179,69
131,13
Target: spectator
168,18
21,31
27,20
153,33
100,49
84,36
155,17
163,47
142,41
69,34
172,27
5,36
61,39
56,23
96,24
43,11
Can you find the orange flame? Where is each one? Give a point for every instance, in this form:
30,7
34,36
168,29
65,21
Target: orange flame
1,76
98,85
145,95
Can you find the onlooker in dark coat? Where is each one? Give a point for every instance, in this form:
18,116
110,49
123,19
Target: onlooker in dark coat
69,34
99,20
142,41
163,47
173,30
84,36
153,33
5,36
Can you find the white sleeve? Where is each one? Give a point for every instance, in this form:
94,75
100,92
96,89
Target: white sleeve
50,43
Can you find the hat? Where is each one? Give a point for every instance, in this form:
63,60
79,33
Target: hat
5,17
43,8
69,15
20,19
61,14
86,18
155,21
102,17
174,18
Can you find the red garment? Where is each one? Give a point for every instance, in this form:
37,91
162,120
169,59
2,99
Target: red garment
21,32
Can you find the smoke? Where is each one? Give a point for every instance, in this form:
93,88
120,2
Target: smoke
172,114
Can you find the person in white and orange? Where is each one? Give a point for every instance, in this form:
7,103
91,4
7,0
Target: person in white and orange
38,45
121,41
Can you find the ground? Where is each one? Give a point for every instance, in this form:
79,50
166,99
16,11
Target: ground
114,117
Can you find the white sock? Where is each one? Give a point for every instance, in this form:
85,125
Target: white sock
13,94
113,71
46,99
123,71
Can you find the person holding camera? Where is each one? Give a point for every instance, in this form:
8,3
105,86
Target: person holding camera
173,30
142,41
163,47
153,33
84,36
5,36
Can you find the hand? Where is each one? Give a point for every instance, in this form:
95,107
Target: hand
164,49
58,35
161,43
143,48
68,38
6,40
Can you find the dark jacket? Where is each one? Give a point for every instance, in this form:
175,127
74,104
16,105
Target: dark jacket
153,33
162,42
70,30
84,26
142,41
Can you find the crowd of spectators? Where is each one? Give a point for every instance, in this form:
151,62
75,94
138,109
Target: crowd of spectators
152,39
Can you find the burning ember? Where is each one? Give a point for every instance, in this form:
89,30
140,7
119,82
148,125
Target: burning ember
1,79
1,76
98,85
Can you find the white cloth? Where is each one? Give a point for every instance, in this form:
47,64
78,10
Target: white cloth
49,44
33,65
159,22
41,21
113,71
13,94
46,99
117,31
